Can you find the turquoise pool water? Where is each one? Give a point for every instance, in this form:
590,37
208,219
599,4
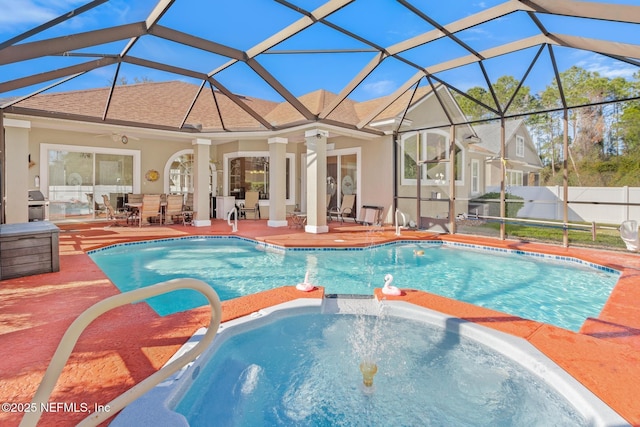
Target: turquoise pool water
559,292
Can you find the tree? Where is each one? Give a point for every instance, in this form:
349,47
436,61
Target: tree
504,88
619,88
630,128
473,110
630,119
123,80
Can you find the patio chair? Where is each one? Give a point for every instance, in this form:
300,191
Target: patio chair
150,209
112,213
345,209
370,215
188,203
251,204
98,209
174,209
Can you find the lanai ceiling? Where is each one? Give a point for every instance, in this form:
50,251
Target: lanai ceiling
379,55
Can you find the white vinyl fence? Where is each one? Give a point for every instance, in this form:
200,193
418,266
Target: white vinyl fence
606,204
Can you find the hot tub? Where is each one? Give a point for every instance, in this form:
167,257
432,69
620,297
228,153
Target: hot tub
304,363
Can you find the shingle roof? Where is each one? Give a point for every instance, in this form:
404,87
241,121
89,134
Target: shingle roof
166,103
162,104
489,134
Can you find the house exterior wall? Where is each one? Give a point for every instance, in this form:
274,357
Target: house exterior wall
529,162
376,174
427,114
377,169
261,146
154,153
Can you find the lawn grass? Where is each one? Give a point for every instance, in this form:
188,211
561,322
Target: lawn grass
605,238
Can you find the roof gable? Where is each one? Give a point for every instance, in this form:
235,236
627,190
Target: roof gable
489,134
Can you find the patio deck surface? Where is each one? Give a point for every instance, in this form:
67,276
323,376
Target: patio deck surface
126,345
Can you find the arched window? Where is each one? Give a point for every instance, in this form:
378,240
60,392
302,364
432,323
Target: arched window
433,152
181,174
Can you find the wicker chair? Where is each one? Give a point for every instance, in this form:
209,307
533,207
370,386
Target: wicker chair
150,209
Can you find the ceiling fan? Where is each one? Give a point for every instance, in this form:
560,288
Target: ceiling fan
115,136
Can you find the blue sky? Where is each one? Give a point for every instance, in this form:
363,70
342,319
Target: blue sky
244,23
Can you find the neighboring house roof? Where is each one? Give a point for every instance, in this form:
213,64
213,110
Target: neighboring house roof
489,134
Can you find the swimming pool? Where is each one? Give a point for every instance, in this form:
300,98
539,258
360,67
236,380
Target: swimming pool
298,364
559,291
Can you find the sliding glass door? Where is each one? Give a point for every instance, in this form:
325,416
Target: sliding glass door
78,177
342,177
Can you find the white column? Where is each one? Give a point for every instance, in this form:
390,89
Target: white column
316,181
277,182
201,182
16,173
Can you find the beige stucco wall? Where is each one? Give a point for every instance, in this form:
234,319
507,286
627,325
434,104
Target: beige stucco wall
376,161
427,114
377,169
375,156
154,153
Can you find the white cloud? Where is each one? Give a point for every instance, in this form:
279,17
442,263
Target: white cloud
607,67
17,14
26,13
379,88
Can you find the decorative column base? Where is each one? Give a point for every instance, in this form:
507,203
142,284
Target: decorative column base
316,229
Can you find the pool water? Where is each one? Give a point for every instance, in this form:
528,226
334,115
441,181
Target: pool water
560,293
304,370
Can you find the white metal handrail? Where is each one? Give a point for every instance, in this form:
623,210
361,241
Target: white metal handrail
234,226
404,221
70,338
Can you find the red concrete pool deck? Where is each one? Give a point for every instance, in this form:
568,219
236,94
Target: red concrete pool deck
126,345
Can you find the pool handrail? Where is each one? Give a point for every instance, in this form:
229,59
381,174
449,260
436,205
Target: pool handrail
234,226
404,221
70,338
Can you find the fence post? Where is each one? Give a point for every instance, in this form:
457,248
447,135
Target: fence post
625,193
558,215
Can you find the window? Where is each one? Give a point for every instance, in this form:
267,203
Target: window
475,176
433,149
513,177
77,177
181,174
519,146
251,173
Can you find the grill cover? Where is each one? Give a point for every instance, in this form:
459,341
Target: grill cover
36,196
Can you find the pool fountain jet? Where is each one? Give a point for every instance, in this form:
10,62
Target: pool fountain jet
369,370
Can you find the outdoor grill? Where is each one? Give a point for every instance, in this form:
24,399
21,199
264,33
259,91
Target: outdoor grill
37,206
